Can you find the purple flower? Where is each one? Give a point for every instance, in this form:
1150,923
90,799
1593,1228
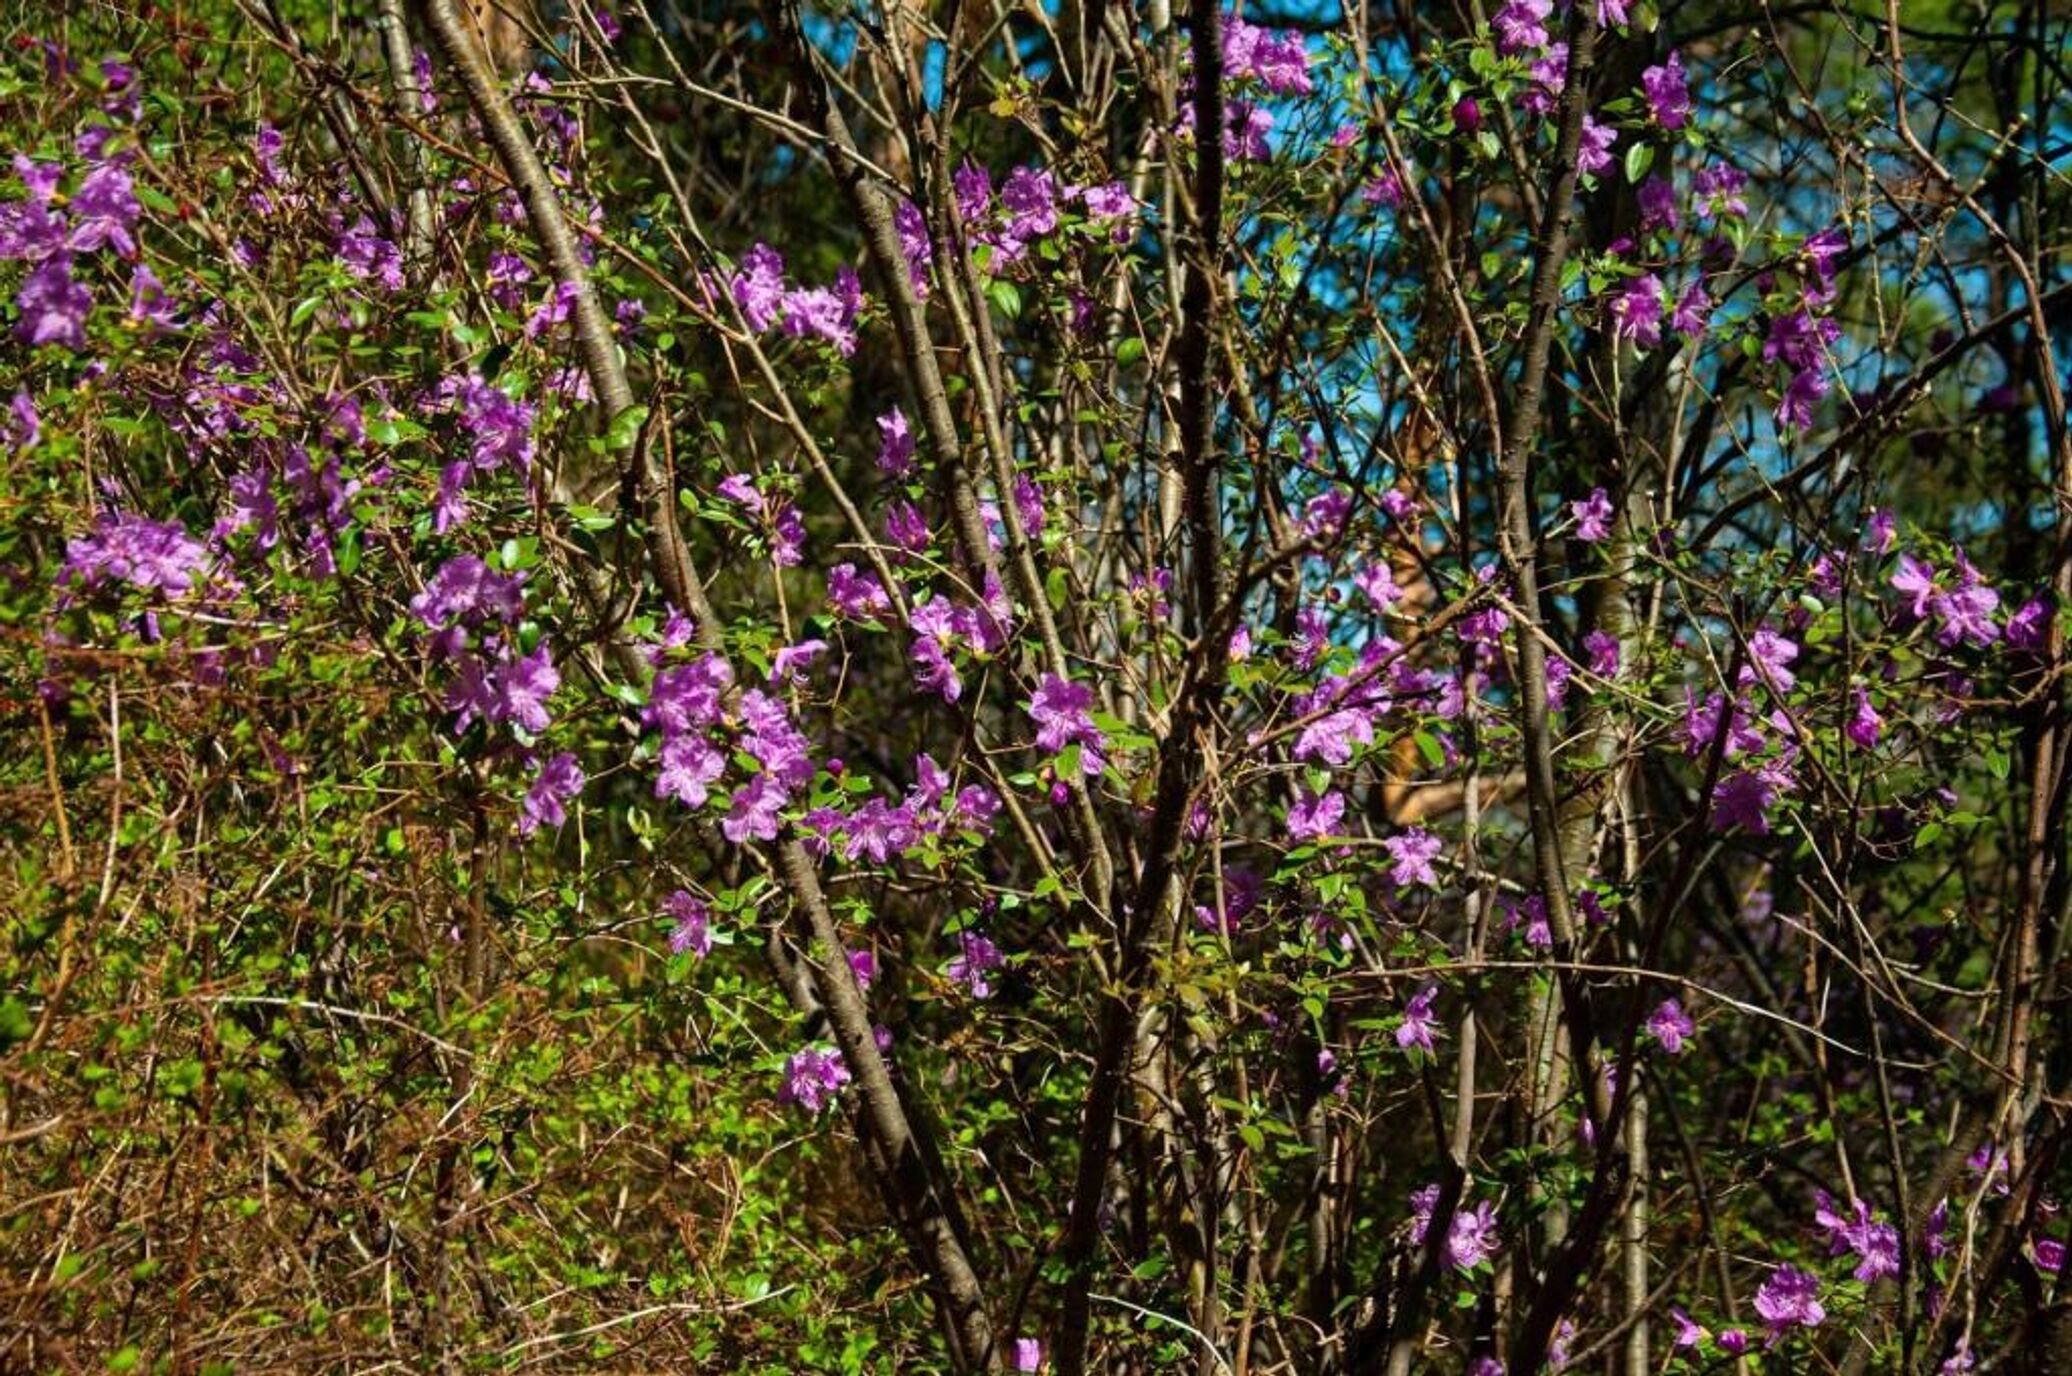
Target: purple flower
813,1077
1030,196
1595,154
1028,1355
150,303
1109,201
914,243
1916,579
856,596
1878,531
1419,1026
977,956
1245,139
825,314
152,556
1716,192
974,190
21,428
1800,339
1693,312
1671,1026
104,212
1593,516
907,527
1472,1238
1549,77
791,662
753,815
560,779
499,425
691,924
1603,650
1966,611
2049,1255
1688,1334
1668,94
370,257
1521,26
519,690
1745,797
1386,189
758,288
1424,1201
1636,311
1865,723
1768,655
937,628
1313,815
1801,394
1658,209
1413,853
1059,710
1330,739
1276,58
1539,933
770,738
689,766
896,444
687,696
1790,1297
466,589
2027,629
53,306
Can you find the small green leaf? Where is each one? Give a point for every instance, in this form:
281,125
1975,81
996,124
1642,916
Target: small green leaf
1639,158
625,428
15,1023
1006,297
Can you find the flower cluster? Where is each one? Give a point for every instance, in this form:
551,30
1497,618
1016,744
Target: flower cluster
878,831
759,290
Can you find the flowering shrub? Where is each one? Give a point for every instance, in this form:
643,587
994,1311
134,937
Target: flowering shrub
799,692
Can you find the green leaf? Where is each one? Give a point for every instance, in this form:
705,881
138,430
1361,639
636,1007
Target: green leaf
625,428
1006,297
15,1023
1429,747
1639,158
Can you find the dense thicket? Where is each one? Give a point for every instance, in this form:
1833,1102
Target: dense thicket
796,688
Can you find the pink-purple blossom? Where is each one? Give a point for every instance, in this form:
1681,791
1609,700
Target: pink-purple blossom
895,444
1060,709
813,1077
1668,93
690,922
1413,852
1593,516
1313,815
1671,1026
546,801
1419,1027
151,556
1790,1298
977,957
